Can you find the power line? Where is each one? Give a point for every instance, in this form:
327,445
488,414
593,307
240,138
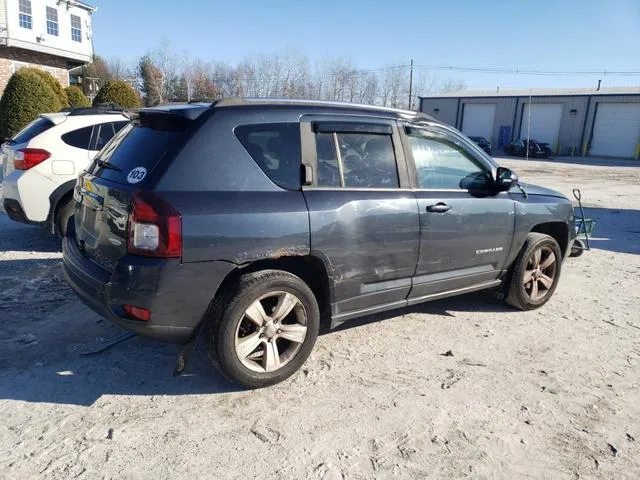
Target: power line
516,71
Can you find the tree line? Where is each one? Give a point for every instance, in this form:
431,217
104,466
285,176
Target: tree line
162,76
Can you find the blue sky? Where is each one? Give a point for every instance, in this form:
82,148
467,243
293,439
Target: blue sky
566,35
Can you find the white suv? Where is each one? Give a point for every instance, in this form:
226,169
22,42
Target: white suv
40,164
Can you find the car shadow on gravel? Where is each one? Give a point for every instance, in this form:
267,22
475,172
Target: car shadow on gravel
137,367
615,230
26,238
473,302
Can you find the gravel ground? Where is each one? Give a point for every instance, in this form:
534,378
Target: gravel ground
552,393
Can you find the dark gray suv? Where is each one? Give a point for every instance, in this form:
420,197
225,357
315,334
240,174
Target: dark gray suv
258,221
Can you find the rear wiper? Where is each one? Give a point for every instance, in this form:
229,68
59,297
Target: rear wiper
108,165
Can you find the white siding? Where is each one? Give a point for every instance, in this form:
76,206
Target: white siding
478,119
3,18
616,131
541,122
61,45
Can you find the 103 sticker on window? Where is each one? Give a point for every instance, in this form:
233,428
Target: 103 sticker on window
137,175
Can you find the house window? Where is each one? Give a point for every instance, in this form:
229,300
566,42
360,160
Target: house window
76,28
25,14
52,21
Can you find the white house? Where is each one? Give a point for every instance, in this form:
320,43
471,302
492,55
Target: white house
54,35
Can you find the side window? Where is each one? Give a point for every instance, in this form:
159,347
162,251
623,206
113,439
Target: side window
275,147
368,160
117,126
328,167
361,160
24,14
78,138
442,164
105,133
76,28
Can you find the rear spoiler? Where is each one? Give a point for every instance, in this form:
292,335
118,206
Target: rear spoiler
54,118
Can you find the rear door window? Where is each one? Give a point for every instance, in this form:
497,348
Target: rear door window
35,128
104,133
275,147
354,159
80,138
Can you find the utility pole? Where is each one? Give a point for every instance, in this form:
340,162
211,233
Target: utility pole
410,83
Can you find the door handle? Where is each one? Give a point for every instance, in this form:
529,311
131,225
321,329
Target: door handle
438,208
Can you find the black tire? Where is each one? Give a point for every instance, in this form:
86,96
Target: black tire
229,316
578,248
521,294
63,213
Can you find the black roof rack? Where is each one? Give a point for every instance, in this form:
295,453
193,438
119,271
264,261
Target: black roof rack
95,110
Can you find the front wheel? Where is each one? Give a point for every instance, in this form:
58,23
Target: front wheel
263,328
578,248
535,273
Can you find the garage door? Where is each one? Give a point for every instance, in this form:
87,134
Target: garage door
477,120
616,131
544,123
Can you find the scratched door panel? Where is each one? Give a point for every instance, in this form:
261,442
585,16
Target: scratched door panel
370,240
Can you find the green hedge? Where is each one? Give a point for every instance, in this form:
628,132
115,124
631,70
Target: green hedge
76,97
52,82
27,96
117,91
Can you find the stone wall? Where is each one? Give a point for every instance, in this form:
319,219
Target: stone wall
12,59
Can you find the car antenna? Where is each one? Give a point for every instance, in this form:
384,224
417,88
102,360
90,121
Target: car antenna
524,192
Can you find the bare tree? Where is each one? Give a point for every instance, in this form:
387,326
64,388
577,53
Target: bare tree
164,77
118,69
423,85
452,85
394,85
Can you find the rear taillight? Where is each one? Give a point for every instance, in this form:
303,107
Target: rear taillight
25,158
155,227
137,313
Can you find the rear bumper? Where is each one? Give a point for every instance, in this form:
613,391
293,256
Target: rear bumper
31,191
178,295
16,213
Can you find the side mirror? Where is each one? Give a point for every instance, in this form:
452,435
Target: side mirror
505,179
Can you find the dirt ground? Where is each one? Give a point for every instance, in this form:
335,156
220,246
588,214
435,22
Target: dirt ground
553,393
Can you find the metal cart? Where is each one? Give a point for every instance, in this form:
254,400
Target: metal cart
584,229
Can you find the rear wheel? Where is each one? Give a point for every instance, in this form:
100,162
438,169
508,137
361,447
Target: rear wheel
263,328
535,273
63,214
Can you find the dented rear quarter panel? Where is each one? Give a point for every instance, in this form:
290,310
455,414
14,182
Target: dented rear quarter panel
242,227
230,209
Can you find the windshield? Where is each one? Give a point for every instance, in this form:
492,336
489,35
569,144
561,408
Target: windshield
32,130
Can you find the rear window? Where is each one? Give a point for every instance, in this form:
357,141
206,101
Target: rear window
35,128
275,147
135,147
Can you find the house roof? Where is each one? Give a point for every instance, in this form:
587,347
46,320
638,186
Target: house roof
85,5
539,92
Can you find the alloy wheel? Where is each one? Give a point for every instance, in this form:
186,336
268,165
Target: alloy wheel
540,274
271,332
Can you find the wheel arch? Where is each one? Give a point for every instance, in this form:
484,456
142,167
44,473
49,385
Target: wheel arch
60,194
559,231
311,269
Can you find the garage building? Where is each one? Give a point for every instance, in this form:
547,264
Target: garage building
601,122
